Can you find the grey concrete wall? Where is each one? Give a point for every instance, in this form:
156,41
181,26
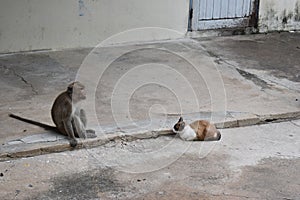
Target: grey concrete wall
278,15
56,24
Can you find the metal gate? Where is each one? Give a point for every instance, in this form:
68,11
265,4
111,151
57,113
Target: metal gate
216,14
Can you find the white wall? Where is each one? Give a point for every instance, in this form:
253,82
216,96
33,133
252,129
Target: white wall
277,15
56,24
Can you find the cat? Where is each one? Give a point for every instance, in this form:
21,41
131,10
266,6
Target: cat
198,130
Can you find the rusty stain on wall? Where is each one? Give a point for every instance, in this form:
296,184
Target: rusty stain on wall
285,17
297,11
270,11
277,16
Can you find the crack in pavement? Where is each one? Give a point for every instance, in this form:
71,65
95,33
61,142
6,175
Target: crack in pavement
295,124
252,77
232,195
263,82
22,79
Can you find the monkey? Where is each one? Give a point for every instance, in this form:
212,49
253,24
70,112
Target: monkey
68,117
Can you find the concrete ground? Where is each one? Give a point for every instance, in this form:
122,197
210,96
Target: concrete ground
257,162
139,91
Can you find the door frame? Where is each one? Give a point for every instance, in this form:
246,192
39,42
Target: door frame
194,12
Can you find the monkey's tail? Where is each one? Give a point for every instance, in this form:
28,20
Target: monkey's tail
42,125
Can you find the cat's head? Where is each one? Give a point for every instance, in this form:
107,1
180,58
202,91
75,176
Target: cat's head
179,126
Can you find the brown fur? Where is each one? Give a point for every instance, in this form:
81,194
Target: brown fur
205,130
68,117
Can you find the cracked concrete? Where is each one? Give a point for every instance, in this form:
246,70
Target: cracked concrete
263,84
21,77
49,142
257,162
280,60
142,87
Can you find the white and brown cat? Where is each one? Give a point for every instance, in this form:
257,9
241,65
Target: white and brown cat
198,130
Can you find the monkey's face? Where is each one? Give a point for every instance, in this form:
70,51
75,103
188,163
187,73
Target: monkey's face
77,91
82,94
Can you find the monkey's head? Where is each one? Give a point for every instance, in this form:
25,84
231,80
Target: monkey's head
76,90
179,126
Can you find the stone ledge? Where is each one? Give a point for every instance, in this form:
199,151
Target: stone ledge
22,149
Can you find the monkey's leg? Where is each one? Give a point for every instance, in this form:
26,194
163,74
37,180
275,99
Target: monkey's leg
69,129
78,126
89,132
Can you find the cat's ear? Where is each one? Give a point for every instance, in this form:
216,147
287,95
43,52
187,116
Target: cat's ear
180,119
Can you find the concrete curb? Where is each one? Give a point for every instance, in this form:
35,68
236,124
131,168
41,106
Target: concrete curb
251,119
21,150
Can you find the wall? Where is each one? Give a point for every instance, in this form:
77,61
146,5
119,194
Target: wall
278,15
56,24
